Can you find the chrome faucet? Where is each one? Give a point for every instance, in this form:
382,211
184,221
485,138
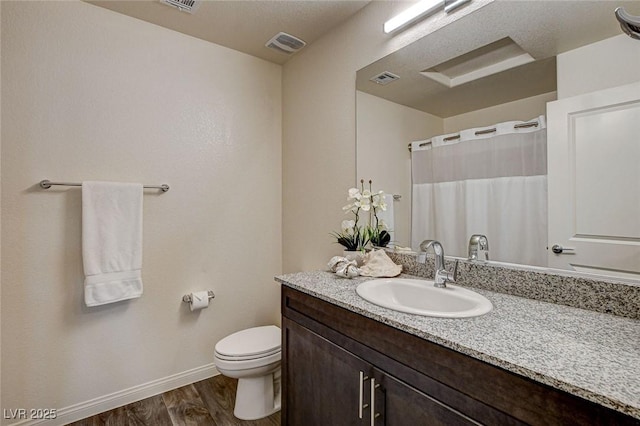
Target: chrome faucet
478,247
442,276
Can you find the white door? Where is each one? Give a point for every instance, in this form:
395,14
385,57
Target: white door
594,182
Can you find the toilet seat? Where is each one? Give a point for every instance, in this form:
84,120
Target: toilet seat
227,365
246,357
252,343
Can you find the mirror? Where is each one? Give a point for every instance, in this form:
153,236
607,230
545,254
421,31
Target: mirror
504,62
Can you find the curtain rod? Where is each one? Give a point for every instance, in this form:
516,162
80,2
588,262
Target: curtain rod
482,132
46,184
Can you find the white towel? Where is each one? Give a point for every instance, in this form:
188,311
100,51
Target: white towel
111,241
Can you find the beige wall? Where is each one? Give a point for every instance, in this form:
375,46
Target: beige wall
384,129
520,110
608,63
319,103
89,94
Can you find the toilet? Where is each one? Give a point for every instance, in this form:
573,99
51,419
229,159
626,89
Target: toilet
253,357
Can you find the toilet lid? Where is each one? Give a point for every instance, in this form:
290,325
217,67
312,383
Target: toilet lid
250,342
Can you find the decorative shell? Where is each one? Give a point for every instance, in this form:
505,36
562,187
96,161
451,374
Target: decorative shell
378,264
348,270
343,267
335,260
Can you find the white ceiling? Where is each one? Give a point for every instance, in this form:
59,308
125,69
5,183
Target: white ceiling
244,25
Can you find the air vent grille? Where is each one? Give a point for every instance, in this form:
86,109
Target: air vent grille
285,43
189,6
384,78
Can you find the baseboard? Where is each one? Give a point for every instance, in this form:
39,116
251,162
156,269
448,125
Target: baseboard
127,396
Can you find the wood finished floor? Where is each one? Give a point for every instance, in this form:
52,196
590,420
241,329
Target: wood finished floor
205,403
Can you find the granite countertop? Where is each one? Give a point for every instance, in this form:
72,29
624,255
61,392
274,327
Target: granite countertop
592,355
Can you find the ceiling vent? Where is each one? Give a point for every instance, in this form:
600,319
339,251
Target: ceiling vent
285,43
384,78
189,6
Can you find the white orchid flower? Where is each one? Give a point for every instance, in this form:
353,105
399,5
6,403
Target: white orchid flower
350,208
379,201
364,204
354,194
366,193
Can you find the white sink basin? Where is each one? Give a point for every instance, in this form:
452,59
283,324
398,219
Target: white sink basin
422,298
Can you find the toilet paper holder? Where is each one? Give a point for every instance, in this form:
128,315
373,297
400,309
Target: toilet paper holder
187,297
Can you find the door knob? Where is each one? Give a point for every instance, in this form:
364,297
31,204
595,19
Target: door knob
558,249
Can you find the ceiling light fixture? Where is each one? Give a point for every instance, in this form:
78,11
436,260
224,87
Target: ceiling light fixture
419,11
451,5
415,12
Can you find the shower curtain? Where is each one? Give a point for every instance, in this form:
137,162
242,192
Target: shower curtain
487,182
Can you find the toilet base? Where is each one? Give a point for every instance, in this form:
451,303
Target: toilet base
258,397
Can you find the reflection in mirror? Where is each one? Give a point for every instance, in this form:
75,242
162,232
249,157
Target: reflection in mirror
484,181
510,63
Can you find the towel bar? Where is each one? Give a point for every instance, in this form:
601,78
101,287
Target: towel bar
46,184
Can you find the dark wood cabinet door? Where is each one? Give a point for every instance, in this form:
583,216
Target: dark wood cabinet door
323,387
321,381
398,404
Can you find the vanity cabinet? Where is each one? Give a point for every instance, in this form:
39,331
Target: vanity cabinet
327,385
341,368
